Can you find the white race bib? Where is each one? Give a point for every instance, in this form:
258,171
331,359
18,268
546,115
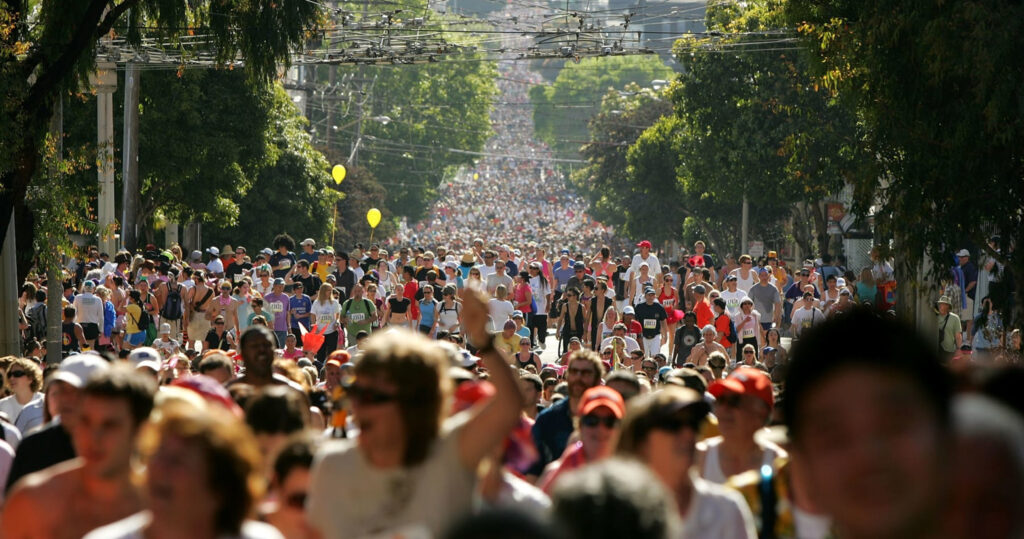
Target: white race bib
275,307
357,317
650,323
324,319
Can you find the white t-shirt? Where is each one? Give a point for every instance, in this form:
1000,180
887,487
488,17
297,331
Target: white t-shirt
326,313
804,319
349,497
540,294
631,344
716,511
10,406
732,300
500,312
170,346
652,263
215,266
750,331
485,270
133,527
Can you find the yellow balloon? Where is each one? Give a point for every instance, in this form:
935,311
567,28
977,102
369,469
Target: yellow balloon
476,175
373,217
338,173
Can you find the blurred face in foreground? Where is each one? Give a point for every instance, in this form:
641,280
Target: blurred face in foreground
873,453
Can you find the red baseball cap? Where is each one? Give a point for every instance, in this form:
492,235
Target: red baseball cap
644,243
745,381
341,356
599,396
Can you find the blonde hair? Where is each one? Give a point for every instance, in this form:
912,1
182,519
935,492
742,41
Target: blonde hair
323,295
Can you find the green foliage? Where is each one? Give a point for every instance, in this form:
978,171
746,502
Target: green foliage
291,192
432,108
561,110
362,192
938,87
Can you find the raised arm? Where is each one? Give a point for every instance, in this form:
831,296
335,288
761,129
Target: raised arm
493,419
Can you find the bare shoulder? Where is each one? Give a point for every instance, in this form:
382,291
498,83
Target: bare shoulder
36,496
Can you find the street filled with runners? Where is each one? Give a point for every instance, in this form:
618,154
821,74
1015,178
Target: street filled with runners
509,368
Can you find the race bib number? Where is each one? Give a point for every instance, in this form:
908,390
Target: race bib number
285,263
806,324
747,332
324,319
357,317
650,324
275,307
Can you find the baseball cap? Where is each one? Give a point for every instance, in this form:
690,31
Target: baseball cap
628,309
278,281
266,251
564,252
648,290
196,255
768,349
517,314
963,252
731,278
213,251
579,266
76,369
576,340
145,353
599,396
699,289
308,241
773,254
745,381
762,269
644,243
165,328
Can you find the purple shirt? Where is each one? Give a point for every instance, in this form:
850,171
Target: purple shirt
279,304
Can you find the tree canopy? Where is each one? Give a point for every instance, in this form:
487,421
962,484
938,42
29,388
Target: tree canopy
562,109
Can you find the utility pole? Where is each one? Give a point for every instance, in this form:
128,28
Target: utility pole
743,225
105,84
130,156
54,277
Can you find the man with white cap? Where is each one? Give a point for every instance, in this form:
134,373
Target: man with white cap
215,267
308,253
73,497
950,337
164,343
52,443
970,284
89,311
645,256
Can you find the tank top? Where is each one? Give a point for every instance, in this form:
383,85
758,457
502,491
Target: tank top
427,311
713,466
519,294
529,361
69,342
448,317
667,301
399,306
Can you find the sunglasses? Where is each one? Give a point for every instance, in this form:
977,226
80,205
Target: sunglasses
296,500
366,395
524,343
678,421
16,374
580,372
748,352
218,323
594,420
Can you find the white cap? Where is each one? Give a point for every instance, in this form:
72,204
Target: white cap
144,353
963,252
76,369
165,328
628,309
213,251
840,282
148,364
308,241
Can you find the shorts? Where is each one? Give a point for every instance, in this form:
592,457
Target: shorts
137,339
91,331
426,329
969,311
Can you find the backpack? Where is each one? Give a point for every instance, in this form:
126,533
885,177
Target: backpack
37,321
173,308
731,336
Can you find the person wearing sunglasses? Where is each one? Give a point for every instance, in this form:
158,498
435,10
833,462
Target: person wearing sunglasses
661,430
289,486
743,406
601,411
24,407
411,470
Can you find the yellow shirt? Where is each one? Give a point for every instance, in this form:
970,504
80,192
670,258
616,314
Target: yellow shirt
131,318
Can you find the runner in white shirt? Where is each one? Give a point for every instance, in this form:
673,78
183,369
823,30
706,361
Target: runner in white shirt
645,256
732,295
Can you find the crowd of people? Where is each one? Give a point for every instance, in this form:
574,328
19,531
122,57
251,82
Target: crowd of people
514,193
534,381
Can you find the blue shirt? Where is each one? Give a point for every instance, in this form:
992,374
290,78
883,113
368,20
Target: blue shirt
562,275
427,310
298,306
551,433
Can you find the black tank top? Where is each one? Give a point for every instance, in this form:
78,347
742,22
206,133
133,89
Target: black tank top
399,306
529,361
69,342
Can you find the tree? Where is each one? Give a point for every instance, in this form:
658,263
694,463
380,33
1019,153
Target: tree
48,48
292,191
561,110
938,88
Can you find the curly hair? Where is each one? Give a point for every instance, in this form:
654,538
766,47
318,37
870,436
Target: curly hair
284,240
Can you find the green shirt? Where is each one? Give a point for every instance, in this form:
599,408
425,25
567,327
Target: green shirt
360,313
948,328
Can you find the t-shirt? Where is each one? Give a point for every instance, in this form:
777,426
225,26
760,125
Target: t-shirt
620,280
722,326
215,266
299,305
947,332
652,263
277,305
493,280
418,501
236,271
309,257
562,275
804,319
717,511
732,300
285,261
167,347
310,283
500,312
765,297
750,331
540,290
687,337
650,317
267,315
360,313
10,406
326,313
134,526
